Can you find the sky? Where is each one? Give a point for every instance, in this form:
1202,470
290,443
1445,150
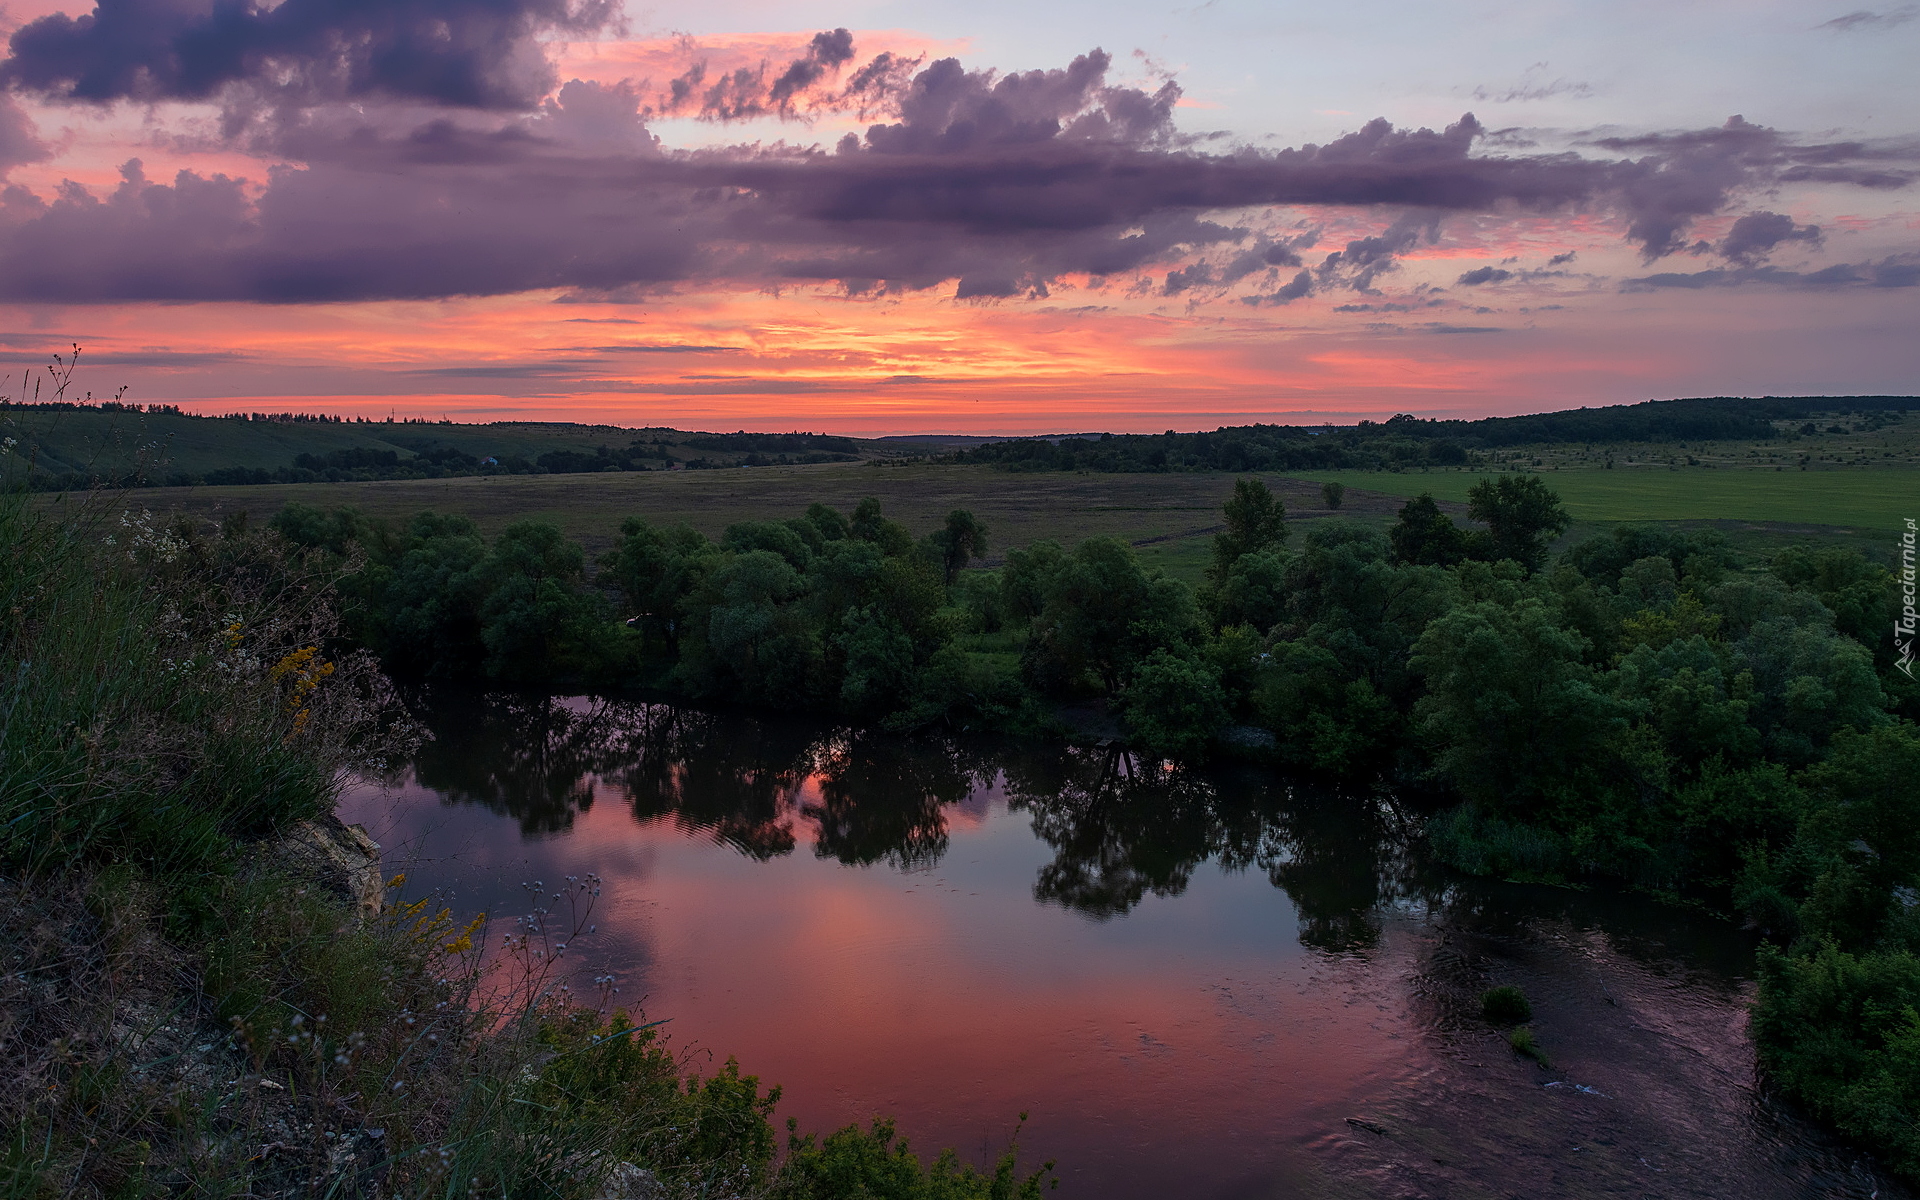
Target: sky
916,216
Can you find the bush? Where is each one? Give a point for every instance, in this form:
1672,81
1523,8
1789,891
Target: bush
1840,1032
1526,1045
1505,1005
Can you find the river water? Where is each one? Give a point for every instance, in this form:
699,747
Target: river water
1215,984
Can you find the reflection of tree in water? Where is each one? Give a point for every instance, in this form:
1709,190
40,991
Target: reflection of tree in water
528,757
733,778
1122,827
1326,849
885,798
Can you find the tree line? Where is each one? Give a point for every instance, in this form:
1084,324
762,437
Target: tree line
1406,441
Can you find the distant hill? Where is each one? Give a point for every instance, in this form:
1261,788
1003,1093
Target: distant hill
70,445
74,445
972,439
1406,441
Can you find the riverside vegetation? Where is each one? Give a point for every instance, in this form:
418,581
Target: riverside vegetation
1645,707
186,1010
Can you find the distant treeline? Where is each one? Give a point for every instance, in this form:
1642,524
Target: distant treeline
432,461
1407,441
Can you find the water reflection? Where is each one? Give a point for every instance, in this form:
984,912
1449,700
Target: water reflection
1192,978
1121,828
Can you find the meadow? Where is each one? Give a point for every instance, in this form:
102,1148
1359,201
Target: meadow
1865,498
1170,519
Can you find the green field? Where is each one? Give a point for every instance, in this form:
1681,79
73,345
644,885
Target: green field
1170,518
1864,498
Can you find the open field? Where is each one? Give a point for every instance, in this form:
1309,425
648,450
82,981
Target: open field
1169,517
1868,498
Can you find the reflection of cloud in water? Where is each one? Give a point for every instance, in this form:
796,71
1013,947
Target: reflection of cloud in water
1220,966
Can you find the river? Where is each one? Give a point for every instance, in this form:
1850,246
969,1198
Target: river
1215,984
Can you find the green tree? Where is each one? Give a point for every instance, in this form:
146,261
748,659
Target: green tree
1522,515
536,622
421,612
1256,520
1333,493
1174,705
870,526
655,570
960,541
1254,591
1426,536
1103,615
759,645
1515,719
1023,580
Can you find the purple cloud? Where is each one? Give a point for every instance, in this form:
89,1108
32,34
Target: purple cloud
1755,235
467,53
997,184
1894,271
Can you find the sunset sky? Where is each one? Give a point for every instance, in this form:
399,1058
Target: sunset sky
989,217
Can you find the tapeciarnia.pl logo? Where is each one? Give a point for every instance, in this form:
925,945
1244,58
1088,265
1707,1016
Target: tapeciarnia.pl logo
1903,625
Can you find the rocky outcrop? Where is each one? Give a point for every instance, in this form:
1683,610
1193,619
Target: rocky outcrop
343,859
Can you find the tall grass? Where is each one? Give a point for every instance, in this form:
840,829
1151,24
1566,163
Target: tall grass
165,693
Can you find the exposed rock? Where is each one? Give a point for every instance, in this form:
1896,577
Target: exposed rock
343,859
628,1182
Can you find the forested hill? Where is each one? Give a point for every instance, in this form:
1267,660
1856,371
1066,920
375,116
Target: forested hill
67,445
1412,441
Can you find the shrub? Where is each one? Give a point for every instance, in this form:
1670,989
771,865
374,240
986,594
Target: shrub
1526,1045
1505,1005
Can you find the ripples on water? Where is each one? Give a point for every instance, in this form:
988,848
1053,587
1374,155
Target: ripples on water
1200,984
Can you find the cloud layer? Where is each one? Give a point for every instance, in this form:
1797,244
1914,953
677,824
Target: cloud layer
998,184
472,53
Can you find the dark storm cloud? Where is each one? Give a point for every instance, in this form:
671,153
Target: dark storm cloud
471,53
996,184
1480,275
